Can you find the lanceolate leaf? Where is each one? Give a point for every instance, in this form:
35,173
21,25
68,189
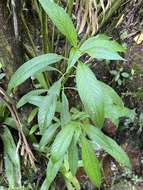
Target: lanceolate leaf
62,142
101,47
73,157
110,96
61,19
48,106
114,103
116,112
36,100
90,162
52,170
48,135
26,97
12,163
90,93
73,57
103,53
65,114
108,145
33,67
46,112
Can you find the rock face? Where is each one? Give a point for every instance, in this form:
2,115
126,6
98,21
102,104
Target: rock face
10,51
123,185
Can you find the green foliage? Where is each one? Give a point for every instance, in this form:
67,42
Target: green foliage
90,93
33,67
61,19
12,162
65,132
90,162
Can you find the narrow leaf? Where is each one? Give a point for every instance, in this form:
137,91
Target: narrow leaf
48,135
62,142
12,162
90,93
65,114
73,157
90,162
102,47
48,106
61,19
109,145
27,96
32,67
52,170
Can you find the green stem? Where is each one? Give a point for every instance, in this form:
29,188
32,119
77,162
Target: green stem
46,48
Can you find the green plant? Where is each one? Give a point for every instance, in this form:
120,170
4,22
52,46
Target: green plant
120,75
64,130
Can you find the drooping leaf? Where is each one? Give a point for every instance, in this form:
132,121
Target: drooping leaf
32,67
52,170
65,114
90,162
108,144
61,19
90,93
12,162
110,96
48,135
102,47
62,142
116,112
27,96
48,106
114,103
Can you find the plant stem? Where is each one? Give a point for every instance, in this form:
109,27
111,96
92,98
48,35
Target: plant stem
46,48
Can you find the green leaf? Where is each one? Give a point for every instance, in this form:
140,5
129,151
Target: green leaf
114,103
33,129
32,115
125,75
46,112
101,47
65,114
61,19
110,96
116,112
73,58
36,100
32,67
90,93
108,144
102,53
62,142
48,135
12,162
78,115
73,157
52,170
90,162
27,96
48,106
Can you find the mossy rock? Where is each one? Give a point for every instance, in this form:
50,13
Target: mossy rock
123,185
